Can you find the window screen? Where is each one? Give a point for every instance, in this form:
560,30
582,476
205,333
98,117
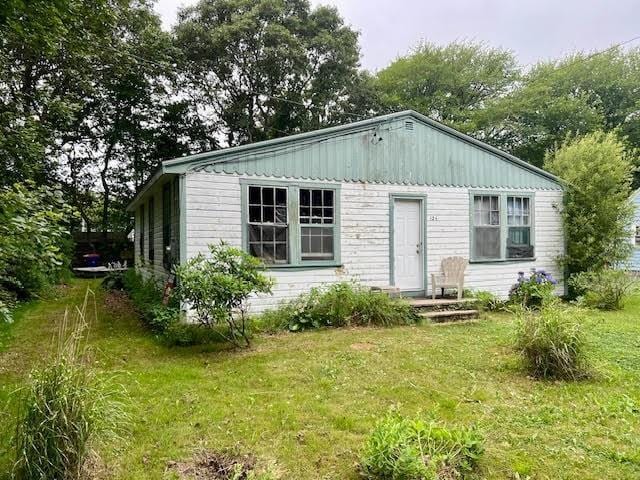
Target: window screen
317,211
268,224
519,227
486,220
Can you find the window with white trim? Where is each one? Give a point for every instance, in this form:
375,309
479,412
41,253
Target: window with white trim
268,227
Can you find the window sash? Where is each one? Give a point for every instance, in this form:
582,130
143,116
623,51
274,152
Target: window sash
268,224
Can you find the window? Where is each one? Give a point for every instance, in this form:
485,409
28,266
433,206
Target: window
175,239
141,233
519,228
151,246
291,224
486,214
268,229
502,227
166,225
316,224
637,235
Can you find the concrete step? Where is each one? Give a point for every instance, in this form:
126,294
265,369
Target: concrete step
439,302
446,315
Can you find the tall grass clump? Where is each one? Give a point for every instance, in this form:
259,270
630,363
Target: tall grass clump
338,305
552,341
399,448
65,409
606,289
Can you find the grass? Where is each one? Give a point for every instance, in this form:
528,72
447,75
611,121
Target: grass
308,401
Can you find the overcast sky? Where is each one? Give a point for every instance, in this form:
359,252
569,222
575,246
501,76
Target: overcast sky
533,29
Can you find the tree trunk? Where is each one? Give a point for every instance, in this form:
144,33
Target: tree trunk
106,190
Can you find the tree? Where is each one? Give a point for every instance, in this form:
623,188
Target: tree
579,94
266,68
447,83
596,211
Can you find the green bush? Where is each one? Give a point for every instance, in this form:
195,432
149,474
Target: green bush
533,291
64,411
217,288
413,449
338,305
488,302
607,289
146,296
35,244
552,341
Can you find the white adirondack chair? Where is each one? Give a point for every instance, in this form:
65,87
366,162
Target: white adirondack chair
452,276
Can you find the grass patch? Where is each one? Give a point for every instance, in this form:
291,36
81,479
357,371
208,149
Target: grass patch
309,401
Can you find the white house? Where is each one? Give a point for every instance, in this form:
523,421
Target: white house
381,201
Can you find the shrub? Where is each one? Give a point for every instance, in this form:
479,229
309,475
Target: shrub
35,244
146,296
338,305
414,449
606,289
533,291
64,410
598,171
113,281
552,341
217,288
488,302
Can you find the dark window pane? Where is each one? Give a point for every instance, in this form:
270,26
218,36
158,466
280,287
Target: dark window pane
327,245
255,233
281,252
281,234
316,198
267,196
267,214
316,212
268,234
519,243
281,214
305,197
487,242
328,198
254,195
255,249
268,252
254,213
305,212
281,196
328,215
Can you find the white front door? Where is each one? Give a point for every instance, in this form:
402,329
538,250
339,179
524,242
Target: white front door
408,250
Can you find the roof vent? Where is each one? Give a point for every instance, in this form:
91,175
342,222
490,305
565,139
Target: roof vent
408,125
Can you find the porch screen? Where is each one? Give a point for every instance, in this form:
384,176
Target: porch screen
268,225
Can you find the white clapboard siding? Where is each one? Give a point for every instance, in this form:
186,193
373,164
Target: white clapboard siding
214,211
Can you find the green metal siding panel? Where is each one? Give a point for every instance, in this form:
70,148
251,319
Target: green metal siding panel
383,153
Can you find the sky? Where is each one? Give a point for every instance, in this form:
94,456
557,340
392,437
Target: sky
533,29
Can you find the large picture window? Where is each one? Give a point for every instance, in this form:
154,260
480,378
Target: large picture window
292,224
268,226
502,227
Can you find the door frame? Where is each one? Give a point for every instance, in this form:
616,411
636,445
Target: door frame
422,199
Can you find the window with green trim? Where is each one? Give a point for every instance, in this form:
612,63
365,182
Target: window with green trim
288,224
151,247
502,227
166,225
316,224
141,232
519,227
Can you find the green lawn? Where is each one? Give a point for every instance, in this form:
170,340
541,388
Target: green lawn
307,401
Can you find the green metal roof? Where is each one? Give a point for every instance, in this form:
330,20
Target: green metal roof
404,147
